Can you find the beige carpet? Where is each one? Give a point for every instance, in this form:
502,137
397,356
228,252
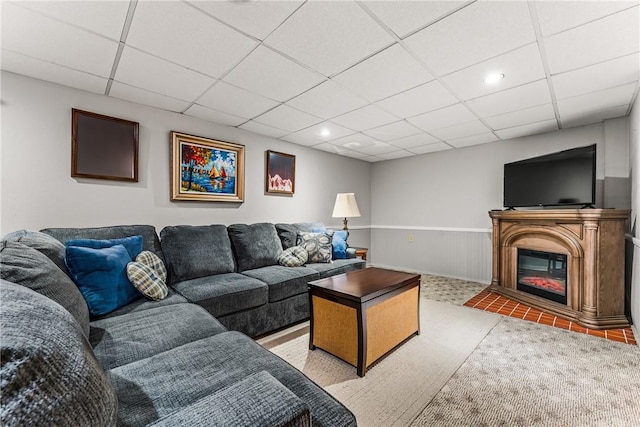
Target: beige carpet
397,389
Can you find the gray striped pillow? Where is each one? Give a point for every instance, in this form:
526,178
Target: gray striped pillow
146,281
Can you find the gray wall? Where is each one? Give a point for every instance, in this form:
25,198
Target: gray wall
430,213
38,191
633,241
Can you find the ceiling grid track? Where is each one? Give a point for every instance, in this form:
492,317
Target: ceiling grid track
121,44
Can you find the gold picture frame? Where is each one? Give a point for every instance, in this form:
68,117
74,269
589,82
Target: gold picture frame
206,170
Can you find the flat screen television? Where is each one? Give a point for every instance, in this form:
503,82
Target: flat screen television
564,178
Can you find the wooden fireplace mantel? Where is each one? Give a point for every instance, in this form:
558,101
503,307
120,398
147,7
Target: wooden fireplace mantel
592,239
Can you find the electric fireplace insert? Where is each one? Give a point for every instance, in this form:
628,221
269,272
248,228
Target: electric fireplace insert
543,274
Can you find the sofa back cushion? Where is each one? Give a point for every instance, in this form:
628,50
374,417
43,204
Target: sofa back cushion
30,268
150,241
255,245
288,233
50,375
193,251
44,243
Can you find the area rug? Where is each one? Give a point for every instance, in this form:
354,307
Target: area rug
496,303
397,389
528,374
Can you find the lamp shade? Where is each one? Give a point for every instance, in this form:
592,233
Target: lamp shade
346,206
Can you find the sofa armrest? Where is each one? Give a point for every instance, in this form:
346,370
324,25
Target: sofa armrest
258,400
351,253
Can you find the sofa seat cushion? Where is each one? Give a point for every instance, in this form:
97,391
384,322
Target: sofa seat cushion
284,282
338,266
203,367
31,268
222,294
255,245
194,251
145,304
257,400
49,374
117,341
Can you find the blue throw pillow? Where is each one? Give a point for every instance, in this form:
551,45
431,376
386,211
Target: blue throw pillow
101,276
339,243
132,244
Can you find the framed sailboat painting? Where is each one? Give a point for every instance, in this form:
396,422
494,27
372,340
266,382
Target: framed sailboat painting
281,172
204,169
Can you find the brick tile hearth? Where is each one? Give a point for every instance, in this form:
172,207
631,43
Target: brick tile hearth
496,303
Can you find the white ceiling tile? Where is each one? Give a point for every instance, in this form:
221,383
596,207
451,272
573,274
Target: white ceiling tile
34,35
156,75
364,118
350,153
519,67
460,130
232,100
321,35
430,148
596,77
521,117
378,148
261,129
529,129
181,34
403,17
444,117
395,155
213,116
355,142
287,118
317,132
103,17
422,99
327,100
479,31
305,140
414,141
518,98
594,117
387,73
42,70
372,159
278,78
482,138
257,18
607,38
594,101
144,97
556,16
394,130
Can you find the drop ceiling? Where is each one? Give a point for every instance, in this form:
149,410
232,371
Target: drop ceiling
373,80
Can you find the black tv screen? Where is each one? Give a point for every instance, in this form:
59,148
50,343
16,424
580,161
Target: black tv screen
563,178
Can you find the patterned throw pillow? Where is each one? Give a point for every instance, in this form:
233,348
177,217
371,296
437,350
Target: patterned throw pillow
295,256
146,281
152,260
317,245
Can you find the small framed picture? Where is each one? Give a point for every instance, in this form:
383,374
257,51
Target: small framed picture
281,172
103,147
204,169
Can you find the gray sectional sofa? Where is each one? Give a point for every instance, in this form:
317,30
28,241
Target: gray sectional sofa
187,359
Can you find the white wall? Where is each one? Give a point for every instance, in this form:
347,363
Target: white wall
430,212
38,191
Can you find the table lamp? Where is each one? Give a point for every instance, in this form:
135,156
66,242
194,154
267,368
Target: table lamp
345,207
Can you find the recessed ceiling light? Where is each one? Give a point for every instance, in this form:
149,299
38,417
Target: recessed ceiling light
493,78
325,132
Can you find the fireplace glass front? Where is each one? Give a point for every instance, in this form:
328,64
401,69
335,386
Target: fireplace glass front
543,274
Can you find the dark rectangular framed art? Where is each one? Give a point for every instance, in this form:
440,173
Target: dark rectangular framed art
281,172
204,169
103,147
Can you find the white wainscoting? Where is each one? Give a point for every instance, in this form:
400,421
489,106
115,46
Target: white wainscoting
463,253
